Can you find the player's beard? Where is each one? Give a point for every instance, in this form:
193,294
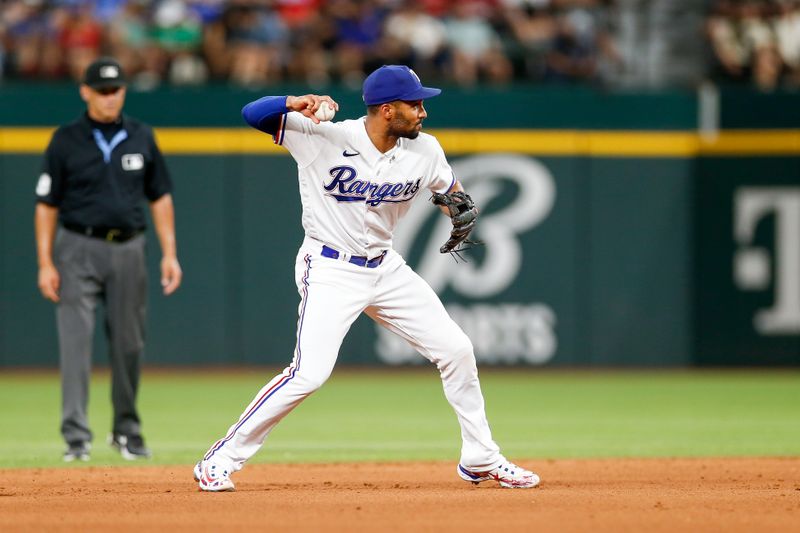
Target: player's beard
402,127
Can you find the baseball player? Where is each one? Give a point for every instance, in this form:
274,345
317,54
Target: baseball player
357,179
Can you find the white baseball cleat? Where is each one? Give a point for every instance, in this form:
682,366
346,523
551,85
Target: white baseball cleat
211,477
509,475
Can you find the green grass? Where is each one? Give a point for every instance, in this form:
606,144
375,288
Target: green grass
402,414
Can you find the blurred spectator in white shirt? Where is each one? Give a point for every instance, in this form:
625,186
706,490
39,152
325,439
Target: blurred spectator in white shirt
744,43
415,38
787,34
474,45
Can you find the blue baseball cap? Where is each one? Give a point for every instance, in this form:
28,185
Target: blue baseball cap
395,82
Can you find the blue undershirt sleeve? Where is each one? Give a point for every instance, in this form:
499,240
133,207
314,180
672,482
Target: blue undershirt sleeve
265,113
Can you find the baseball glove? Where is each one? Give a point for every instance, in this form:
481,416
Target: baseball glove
463,214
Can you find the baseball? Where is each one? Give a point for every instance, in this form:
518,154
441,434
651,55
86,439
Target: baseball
325,112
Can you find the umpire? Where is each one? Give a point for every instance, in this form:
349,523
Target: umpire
90,242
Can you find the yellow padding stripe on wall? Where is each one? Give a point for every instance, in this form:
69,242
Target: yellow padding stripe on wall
595,143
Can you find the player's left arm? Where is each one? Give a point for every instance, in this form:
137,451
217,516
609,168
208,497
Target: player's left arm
461,210
444,181
456,187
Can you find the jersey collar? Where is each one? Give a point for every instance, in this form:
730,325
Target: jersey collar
372,150
86,124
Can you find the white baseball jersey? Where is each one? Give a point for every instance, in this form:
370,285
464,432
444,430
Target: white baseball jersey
352,194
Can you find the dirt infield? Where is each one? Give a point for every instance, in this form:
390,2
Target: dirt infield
599,495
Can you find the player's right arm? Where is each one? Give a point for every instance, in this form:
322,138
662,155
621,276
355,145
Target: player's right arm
301,133
309,104
265,113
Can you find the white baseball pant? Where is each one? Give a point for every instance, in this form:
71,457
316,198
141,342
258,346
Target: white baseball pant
333,294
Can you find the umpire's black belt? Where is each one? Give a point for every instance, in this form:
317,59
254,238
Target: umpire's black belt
100,232
359,260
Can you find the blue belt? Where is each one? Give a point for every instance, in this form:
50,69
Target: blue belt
359,260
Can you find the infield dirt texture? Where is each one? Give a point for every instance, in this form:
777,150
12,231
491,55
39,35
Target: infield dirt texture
376,451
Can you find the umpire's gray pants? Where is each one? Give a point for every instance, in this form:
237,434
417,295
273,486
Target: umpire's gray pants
95,270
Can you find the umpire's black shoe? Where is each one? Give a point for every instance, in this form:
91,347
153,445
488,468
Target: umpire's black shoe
131,447
77,451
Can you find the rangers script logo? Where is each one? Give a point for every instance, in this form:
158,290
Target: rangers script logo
346,188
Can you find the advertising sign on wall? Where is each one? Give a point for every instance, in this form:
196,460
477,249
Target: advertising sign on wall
506,321
748,262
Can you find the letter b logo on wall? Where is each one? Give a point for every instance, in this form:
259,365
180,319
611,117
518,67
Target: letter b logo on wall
503,329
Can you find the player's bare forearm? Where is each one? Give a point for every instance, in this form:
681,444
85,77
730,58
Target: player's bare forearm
309,104
163,213
45,221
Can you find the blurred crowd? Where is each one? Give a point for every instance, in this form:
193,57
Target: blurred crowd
259,42
756,42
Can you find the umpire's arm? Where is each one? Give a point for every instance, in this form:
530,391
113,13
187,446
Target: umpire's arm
163,214
45,222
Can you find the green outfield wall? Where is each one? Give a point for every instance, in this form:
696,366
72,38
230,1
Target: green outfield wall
615,233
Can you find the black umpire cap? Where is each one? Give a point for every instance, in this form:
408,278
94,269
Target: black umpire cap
103,73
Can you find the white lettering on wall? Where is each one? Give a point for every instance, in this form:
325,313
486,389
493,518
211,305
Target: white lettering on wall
501,332
754,269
